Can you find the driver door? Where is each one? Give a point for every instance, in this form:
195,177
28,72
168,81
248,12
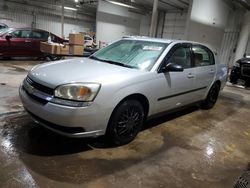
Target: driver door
20,43
177,88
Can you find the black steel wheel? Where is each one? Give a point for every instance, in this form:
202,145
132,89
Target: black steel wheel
126,122
211,97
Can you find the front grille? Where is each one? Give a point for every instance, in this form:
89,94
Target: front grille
40,87
40,100
70,130
245,70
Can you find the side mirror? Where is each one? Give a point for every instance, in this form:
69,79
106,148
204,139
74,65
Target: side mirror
172,67
8,37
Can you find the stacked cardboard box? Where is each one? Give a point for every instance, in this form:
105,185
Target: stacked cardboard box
64,50
54,48
49,48
76,42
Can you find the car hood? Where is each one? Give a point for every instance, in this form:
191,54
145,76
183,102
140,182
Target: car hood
244,61
81,70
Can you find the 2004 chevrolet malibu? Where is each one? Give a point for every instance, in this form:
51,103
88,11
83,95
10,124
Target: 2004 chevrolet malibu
116,89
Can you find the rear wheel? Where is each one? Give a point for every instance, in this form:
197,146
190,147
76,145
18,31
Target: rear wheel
54,57
126,122
212,97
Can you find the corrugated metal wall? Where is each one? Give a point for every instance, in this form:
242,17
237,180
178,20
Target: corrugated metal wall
53,24
15,19
174,25
230,38
21,16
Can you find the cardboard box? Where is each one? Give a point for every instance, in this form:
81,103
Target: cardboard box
49,48
76,39
64,50
75,49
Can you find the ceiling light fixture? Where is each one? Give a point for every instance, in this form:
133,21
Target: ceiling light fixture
70,8
76,1
121,4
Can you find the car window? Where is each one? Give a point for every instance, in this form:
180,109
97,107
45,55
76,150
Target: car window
181,56
202,56
40,35
21,34
134,53
5,30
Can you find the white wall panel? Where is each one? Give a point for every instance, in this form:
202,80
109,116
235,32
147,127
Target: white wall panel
230,37
113,22
174,25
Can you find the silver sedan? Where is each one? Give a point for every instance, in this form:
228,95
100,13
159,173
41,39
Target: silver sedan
120,86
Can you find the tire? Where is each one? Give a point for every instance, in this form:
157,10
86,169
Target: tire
54,57
233,79
247,84
126,122
212,97
6,58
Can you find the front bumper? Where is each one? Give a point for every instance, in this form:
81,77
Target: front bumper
91,121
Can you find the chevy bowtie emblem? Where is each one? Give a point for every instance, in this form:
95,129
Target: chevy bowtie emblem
31,89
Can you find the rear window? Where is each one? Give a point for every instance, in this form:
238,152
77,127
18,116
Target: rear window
40,35
202,56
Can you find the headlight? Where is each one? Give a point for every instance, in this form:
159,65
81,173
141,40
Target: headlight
237,64
83,92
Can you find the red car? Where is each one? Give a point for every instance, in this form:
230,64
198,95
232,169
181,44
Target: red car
24,42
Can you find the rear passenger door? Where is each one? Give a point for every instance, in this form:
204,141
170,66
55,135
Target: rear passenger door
37,37
204,63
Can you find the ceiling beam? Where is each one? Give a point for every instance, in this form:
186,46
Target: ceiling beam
183,2
172,5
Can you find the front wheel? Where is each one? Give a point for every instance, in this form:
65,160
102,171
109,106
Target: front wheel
125,122
212,97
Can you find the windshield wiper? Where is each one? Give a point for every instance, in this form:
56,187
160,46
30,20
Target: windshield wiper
118,63
111,62
95,58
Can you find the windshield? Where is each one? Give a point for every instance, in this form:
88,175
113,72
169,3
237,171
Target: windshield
137,54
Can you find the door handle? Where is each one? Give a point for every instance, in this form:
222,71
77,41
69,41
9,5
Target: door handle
190,75
211,71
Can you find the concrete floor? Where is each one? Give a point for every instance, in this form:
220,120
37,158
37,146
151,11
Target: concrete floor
191,148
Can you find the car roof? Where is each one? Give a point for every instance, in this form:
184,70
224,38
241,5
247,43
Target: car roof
29,28
2,24
146,38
